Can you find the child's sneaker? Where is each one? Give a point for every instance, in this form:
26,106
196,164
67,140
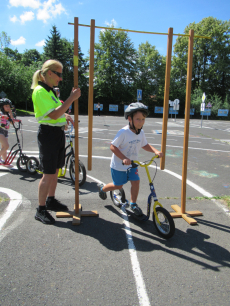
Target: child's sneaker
102,194
136,209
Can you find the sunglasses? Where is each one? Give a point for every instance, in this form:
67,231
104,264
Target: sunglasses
57,73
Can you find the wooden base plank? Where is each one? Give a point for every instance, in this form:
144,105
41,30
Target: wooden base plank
194,213
69,214
176,208
187,216
188,219
175,214
77,217
92,213
62,214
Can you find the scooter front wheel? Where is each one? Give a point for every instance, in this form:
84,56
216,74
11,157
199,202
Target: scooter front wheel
166,228
32,165
21,163
118,197
82,171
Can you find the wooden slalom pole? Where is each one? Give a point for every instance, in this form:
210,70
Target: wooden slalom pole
90,98
166,97
77,213
180,212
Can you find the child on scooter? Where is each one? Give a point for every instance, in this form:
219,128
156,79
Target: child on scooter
125,147
5,117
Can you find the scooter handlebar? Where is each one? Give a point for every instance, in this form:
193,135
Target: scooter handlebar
136,163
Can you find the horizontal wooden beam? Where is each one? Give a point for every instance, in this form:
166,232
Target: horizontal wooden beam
141,32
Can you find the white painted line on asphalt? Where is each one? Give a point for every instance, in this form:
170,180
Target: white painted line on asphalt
15,201
181,147
140,284
2,168
29,131
159,144
33,120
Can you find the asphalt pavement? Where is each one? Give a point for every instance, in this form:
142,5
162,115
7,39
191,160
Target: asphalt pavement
112,260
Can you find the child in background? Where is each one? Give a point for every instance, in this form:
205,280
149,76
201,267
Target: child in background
6,117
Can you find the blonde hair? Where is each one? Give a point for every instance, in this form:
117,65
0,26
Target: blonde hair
39,75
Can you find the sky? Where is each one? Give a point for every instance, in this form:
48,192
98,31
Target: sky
29,22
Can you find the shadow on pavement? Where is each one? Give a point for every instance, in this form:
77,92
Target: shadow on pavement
191,246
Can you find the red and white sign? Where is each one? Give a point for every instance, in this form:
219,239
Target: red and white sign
209,105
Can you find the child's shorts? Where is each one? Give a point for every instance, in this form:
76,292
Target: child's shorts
3,132
122,177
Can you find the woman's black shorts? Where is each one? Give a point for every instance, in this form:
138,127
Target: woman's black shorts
51,144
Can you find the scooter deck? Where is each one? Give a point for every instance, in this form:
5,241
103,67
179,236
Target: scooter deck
141,218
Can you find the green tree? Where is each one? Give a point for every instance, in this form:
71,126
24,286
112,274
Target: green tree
211,62
62,50
16,80
4,40
14,55
150,74
114,68
53,48
30,56
215,100
68,76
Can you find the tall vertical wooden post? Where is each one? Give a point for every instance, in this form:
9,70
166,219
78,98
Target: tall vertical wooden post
180,212
78,212
186,123
90,99
166,97
76,205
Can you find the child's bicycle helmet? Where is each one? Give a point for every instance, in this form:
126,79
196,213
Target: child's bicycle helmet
3,102
133,108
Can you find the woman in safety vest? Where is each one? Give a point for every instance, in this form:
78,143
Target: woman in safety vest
50,114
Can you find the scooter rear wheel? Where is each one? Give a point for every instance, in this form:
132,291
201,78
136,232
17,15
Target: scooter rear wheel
32,165
166,228
118,197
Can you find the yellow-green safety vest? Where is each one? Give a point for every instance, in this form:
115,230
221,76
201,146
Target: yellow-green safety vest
45,101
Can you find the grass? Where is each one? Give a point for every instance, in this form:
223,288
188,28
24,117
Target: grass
22,112
224,199
3,199
169,198
227,142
